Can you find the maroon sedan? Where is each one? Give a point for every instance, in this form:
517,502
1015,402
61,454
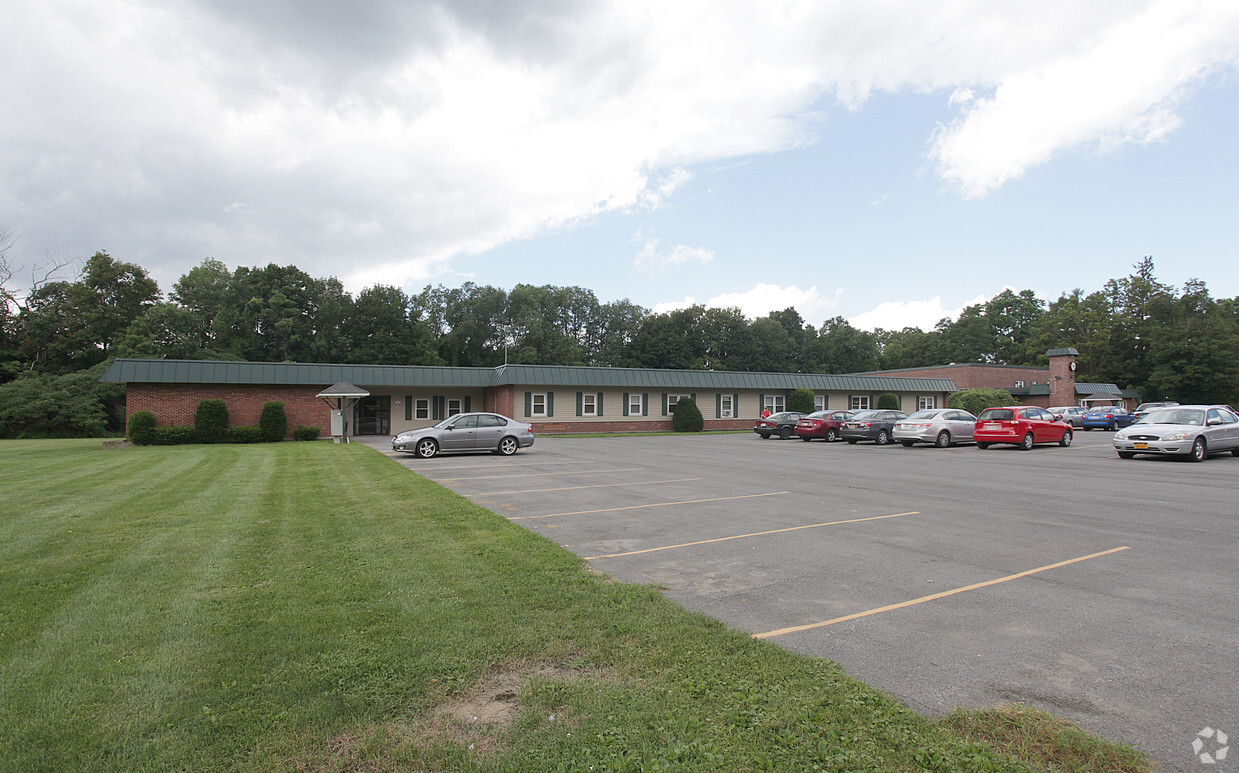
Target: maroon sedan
1020,425
823,424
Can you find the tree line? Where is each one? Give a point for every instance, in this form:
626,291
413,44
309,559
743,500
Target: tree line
1134,331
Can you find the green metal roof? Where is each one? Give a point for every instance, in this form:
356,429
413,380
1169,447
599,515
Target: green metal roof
1085,388
216,372
1065,350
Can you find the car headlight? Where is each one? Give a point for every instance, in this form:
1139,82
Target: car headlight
1176,436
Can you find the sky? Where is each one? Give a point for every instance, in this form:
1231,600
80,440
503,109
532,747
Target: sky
885,161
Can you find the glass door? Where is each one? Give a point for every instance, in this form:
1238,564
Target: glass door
372,416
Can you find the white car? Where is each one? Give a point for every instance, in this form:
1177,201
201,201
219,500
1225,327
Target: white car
1072,414
941,426
1194,431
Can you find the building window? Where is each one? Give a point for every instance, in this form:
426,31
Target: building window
774,403
672,400
725,407
453,406
819,402
859,403
589,404
634,404
1019,384
421,409
538,405
925,402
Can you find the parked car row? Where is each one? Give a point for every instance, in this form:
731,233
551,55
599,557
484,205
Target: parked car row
1194,431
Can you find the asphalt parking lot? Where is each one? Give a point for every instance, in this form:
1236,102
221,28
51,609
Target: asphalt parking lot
1065,578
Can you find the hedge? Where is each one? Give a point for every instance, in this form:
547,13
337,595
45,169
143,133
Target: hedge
306,433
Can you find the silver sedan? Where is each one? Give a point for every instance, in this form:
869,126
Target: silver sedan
467,432
941,426
1194,431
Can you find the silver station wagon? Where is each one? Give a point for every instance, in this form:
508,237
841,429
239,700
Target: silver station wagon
466,432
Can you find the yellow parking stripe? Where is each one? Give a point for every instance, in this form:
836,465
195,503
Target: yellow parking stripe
541,474
574,488
935,596
655,504
746,536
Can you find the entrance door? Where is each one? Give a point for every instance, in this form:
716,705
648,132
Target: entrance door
372,416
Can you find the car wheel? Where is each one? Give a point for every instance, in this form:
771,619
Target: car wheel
764,435
883,437
944,439
982,446
1027,442
785,433
1234,452
1126,455
427,448
508,446
1200,450
907,443
1065,440
805,438
1086,429
851,441
832,435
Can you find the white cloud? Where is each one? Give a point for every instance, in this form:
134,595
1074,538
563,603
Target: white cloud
896,315
394,138
765,298
653,261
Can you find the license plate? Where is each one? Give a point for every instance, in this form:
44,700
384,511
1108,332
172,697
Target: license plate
1141,446
992,426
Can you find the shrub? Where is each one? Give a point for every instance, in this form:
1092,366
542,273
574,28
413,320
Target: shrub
306,433
273,422
142,428
976,400
800,400
211,421
687,416
246,435
174,435
888,402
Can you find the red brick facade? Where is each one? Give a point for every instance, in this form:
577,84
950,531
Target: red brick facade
177,403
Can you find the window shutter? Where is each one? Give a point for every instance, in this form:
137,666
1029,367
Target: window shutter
718,405
625,403
664,403
599,403
761,404
550,404
528,404
408,407
735,405
579,401
468,401
645,403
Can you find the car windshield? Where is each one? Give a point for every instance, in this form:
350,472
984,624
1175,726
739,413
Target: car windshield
445,422
866,415
820,415
924,415
1195,418
997,414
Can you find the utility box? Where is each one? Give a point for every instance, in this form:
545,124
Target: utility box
337,423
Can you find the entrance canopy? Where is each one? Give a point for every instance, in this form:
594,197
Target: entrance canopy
341,397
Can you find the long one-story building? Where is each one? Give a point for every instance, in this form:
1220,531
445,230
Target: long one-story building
555,399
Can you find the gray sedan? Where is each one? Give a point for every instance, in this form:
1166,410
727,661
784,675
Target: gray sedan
941,426
466,432
1194,431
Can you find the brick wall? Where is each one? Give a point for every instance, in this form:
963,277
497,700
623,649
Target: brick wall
177,403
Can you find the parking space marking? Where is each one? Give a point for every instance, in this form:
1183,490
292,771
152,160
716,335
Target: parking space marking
406,457
541,474
933,597
754,534
573,488
653,504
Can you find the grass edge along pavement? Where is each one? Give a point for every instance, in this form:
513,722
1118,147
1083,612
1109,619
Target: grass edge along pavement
317,607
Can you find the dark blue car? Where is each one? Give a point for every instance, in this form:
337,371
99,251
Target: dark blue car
1109,417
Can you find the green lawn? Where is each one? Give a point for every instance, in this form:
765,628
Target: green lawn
316,607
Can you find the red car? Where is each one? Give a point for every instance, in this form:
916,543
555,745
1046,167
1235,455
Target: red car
1020,425
823,424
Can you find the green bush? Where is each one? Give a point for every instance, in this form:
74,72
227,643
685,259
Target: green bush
246,435
976,400
687,416
211,421
888,402
273,422
306,433
174,435
800,400
142,428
